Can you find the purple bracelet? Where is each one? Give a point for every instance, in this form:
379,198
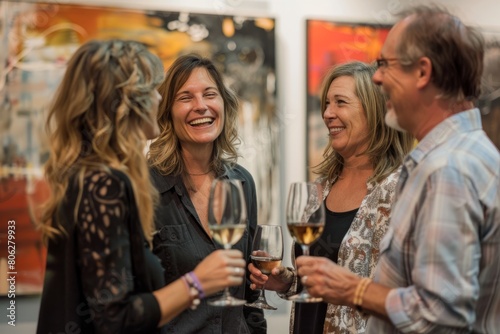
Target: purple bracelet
196,283
193,292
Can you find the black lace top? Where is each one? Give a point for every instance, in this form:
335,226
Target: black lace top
100,275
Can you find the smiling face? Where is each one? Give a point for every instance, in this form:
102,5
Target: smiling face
198,110
345,118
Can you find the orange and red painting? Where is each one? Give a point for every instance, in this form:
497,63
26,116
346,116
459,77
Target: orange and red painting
328,44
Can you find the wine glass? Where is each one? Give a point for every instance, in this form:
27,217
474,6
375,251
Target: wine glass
267,253
305,218
227,216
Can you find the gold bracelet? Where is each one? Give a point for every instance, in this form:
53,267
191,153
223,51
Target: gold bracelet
359,293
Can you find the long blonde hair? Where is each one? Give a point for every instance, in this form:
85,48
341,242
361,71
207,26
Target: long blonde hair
386,146
95,123
165,152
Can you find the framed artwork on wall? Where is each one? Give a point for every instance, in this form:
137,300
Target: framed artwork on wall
330,43
39,38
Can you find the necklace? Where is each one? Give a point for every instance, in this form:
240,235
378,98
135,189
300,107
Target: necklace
199,174
194,185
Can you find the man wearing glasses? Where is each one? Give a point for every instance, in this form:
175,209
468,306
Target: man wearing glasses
439,268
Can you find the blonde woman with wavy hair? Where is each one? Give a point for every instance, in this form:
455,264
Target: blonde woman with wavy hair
101,275
359,172
198,121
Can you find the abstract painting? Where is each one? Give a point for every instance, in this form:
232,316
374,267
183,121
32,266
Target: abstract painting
37,41
328,44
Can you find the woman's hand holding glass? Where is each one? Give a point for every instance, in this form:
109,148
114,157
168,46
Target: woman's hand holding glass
220,269
279,280
267,253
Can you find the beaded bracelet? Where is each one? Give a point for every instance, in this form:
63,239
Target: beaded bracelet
193,292
196,283
359,293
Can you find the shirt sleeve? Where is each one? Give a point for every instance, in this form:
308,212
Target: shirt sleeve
107,278
446,261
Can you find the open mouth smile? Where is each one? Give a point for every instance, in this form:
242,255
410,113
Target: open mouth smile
202,121
337,129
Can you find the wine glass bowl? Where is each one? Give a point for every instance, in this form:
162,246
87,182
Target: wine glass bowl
305,217
265,262
227,216
305,233
227,236
267,254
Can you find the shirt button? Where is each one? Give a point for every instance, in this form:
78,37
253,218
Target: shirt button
217,319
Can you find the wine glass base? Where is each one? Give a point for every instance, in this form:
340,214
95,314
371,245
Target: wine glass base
305,298
262,306
227,301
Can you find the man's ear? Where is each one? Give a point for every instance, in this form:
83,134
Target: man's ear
424,72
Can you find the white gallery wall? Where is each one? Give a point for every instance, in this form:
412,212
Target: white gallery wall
290,31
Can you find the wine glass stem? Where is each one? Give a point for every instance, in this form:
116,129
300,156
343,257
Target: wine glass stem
262,297
305,250
226,295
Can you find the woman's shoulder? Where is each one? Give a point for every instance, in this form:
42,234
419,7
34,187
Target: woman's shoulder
381,193
103,182
163,182
392,179
237,171
108,176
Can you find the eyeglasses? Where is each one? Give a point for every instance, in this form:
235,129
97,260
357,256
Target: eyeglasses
384,62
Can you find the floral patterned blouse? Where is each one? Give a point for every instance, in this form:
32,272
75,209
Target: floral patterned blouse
359,251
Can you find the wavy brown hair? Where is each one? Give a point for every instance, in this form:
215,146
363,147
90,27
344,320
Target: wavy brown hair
386,146
165,152
96,122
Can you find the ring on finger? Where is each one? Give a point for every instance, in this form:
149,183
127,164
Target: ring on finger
304,280
237,270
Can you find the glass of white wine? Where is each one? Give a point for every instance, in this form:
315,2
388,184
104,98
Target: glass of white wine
267,253
305,218
227,216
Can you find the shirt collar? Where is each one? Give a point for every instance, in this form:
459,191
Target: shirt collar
465,121
166,182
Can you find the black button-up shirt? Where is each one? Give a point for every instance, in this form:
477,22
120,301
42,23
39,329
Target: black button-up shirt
182,243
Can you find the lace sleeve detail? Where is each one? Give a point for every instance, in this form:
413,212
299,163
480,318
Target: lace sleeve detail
105,262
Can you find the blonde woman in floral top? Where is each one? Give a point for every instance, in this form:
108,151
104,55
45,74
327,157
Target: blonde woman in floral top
359,171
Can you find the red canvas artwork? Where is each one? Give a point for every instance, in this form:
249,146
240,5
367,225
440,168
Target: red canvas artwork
330,43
